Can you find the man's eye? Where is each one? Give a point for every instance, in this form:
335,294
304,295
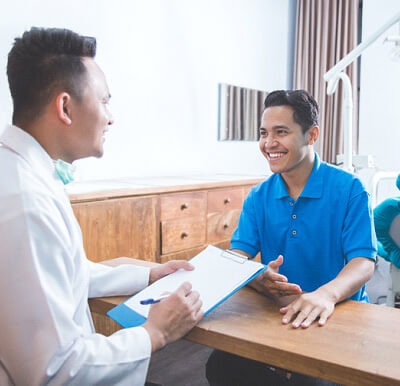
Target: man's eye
263,133
282,132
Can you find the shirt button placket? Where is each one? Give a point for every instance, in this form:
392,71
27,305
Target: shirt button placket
294,232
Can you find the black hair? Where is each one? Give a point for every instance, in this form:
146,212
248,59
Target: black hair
305,107
43,61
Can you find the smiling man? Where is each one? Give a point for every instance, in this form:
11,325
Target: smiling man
60,98
312,224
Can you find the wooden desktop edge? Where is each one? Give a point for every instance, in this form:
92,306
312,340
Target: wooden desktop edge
214,333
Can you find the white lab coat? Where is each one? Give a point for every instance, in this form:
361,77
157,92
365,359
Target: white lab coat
46,330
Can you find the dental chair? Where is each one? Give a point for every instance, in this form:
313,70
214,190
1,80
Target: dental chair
387,227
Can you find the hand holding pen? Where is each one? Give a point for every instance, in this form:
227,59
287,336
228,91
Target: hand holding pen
170,319
154,300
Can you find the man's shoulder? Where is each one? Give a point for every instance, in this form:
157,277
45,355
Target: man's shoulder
263,187
16,172
12,170
341,178
21,180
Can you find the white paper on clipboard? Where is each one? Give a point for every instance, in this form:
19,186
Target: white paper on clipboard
217,275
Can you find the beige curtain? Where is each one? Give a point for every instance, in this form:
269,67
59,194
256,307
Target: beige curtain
241,115
326,30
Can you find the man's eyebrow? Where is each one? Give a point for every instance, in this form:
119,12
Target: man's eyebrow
277,127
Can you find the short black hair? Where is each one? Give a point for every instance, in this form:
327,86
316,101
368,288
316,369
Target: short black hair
43,61
305,107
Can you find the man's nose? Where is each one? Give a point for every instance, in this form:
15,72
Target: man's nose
270,142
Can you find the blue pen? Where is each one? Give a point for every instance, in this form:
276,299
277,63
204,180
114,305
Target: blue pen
155,300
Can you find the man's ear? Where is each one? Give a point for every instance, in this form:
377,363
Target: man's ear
63,107
313,133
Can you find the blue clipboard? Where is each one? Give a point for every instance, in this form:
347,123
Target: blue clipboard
128,317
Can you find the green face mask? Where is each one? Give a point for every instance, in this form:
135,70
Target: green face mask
65,171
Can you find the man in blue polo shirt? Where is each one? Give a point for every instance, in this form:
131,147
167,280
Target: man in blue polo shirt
312,224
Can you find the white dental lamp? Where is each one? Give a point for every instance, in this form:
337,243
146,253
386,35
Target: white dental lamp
336,73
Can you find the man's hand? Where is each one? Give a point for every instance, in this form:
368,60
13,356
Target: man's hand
174,316
162,270
273,283
307,308
321,303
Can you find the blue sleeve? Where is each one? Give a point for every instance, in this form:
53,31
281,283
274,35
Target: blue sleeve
246,236
358,236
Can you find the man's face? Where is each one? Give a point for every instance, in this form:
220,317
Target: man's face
282,141
90,116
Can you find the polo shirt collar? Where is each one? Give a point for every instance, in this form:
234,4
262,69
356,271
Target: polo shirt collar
280,188
314,184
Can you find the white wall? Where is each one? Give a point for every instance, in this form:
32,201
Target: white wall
380,89
163,60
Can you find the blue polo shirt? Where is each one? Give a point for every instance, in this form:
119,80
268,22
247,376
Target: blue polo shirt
328,225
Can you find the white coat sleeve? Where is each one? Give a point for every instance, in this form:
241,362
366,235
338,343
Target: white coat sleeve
124,279
42,332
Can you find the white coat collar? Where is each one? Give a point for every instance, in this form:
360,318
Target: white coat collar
29,149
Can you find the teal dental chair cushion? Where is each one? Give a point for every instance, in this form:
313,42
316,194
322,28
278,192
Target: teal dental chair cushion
387,228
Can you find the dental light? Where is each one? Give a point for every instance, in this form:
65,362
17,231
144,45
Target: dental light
336,73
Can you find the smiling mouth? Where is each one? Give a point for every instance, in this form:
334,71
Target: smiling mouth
275,156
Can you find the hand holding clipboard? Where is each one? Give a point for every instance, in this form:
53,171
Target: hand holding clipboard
218,274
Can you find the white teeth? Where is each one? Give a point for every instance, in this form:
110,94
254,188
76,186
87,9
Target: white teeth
276,155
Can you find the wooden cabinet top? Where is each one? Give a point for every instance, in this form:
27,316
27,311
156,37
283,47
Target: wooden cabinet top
143,186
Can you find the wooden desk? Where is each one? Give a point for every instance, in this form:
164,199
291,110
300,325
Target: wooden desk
360,345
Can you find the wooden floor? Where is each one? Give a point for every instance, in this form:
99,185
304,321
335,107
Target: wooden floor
179,364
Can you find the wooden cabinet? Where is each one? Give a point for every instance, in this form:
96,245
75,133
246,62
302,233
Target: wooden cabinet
159,224
119,227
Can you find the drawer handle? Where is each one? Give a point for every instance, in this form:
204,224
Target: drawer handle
227,200
184,206
226,226
184,235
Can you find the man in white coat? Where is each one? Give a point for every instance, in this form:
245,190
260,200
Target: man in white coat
60,98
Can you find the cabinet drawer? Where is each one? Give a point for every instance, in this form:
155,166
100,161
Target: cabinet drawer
180,234
220,226
224,200
183,205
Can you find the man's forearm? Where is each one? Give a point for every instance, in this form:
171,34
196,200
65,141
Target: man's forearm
349,280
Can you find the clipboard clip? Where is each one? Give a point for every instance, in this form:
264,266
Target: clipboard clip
237,257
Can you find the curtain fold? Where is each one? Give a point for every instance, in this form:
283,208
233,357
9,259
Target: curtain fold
325,32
